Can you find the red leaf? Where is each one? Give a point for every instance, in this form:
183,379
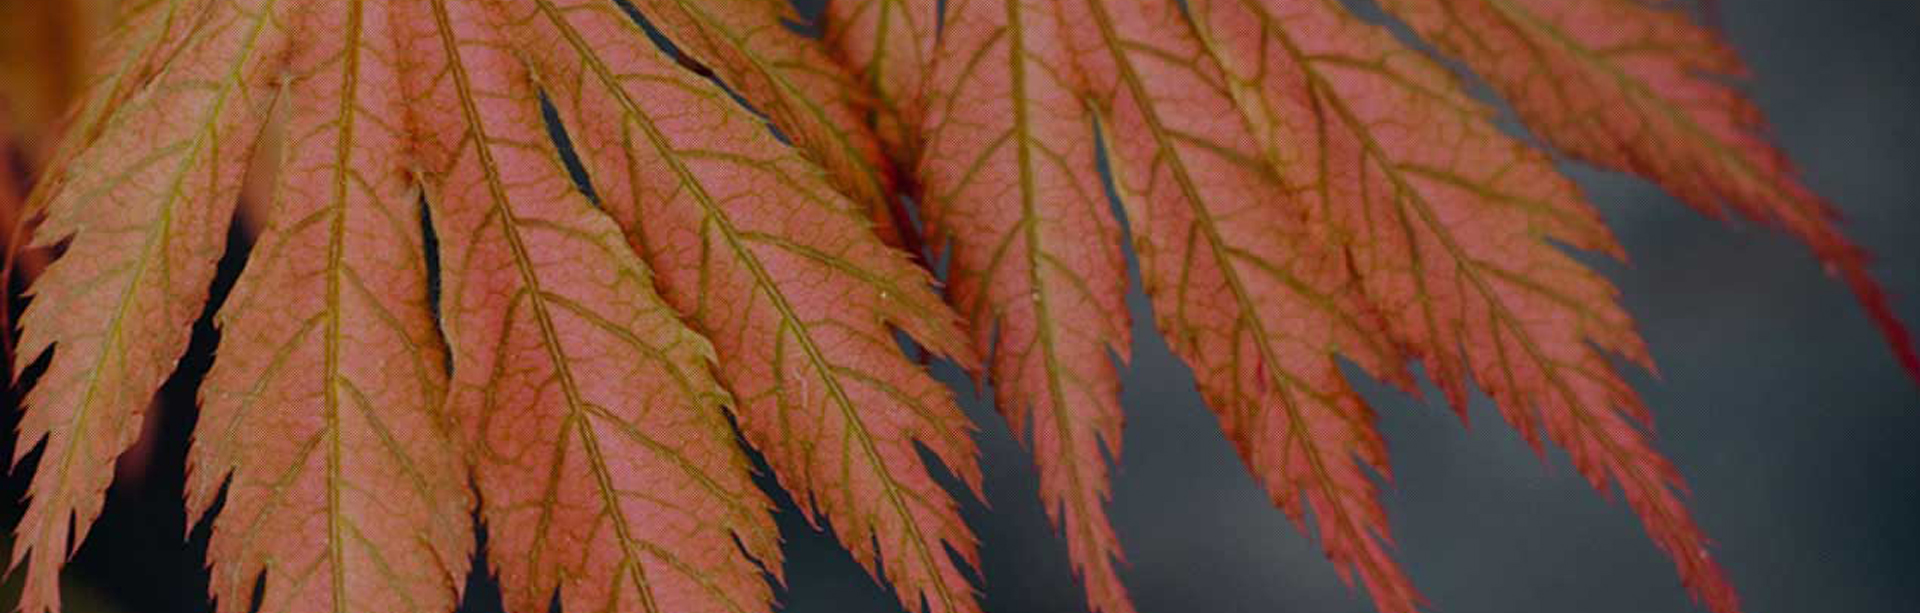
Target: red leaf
1640,88
145,217
324,401
605,466
783,275
1011,185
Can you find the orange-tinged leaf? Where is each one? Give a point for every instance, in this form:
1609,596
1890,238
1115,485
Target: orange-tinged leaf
1447,222
1011,186
806,94
1638,87
324,401
782,274
145,218
889,46
605,465
1258,303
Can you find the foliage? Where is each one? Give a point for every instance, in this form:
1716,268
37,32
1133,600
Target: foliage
438,318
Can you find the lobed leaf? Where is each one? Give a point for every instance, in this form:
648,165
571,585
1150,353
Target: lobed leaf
1447,222
806,94
144,219
1257,302
146,37
1010,183
604,464
796,294
889,46
324,403
1640,88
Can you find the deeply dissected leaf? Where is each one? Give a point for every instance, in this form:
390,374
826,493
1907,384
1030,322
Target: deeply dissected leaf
1447,223
145,219
604,464
324,401
781,274
1640,88
1258,303
1301,188
1010,184
791,79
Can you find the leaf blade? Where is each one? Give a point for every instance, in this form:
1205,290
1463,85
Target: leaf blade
1448,223
549,316
1011,186
1642,89
805,93
756,249
1257,303
324,400
120,303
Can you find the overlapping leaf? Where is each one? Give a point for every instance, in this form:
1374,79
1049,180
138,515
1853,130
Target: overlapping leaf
1258,303
604,464
1301,187
889,46
1640,88
324,402
789,77
145,219
1447,223
781,273
1011,187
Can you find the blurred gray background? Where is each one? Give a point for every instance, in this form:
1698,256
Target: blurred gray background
1778,401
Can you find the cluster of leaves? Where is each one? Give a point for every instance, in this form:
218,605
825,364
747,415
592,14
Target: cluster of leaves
437,318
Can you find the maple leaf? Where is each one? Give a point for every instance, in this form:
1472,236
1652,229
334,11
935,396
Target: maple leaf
1010,186
779,271
144,232
1640,88
1448,222
324,402
804,92
1301,189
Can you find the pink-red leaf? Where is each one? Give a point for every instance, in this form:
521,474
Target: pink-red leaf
145,218
1258,303
805,93
1011,187
783,275
889,46
324,401
1640,88
1447,222
604,463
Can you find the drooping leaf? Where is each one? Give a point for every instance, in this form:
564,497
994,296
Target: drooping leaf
605,466
1447,222
800,88
324,401
1302,189
781,273
1257,302
1010,184
1638,87
145,220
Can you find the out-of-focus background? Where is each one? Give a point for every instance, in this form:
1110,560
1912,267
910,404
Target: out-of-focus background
1777,400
